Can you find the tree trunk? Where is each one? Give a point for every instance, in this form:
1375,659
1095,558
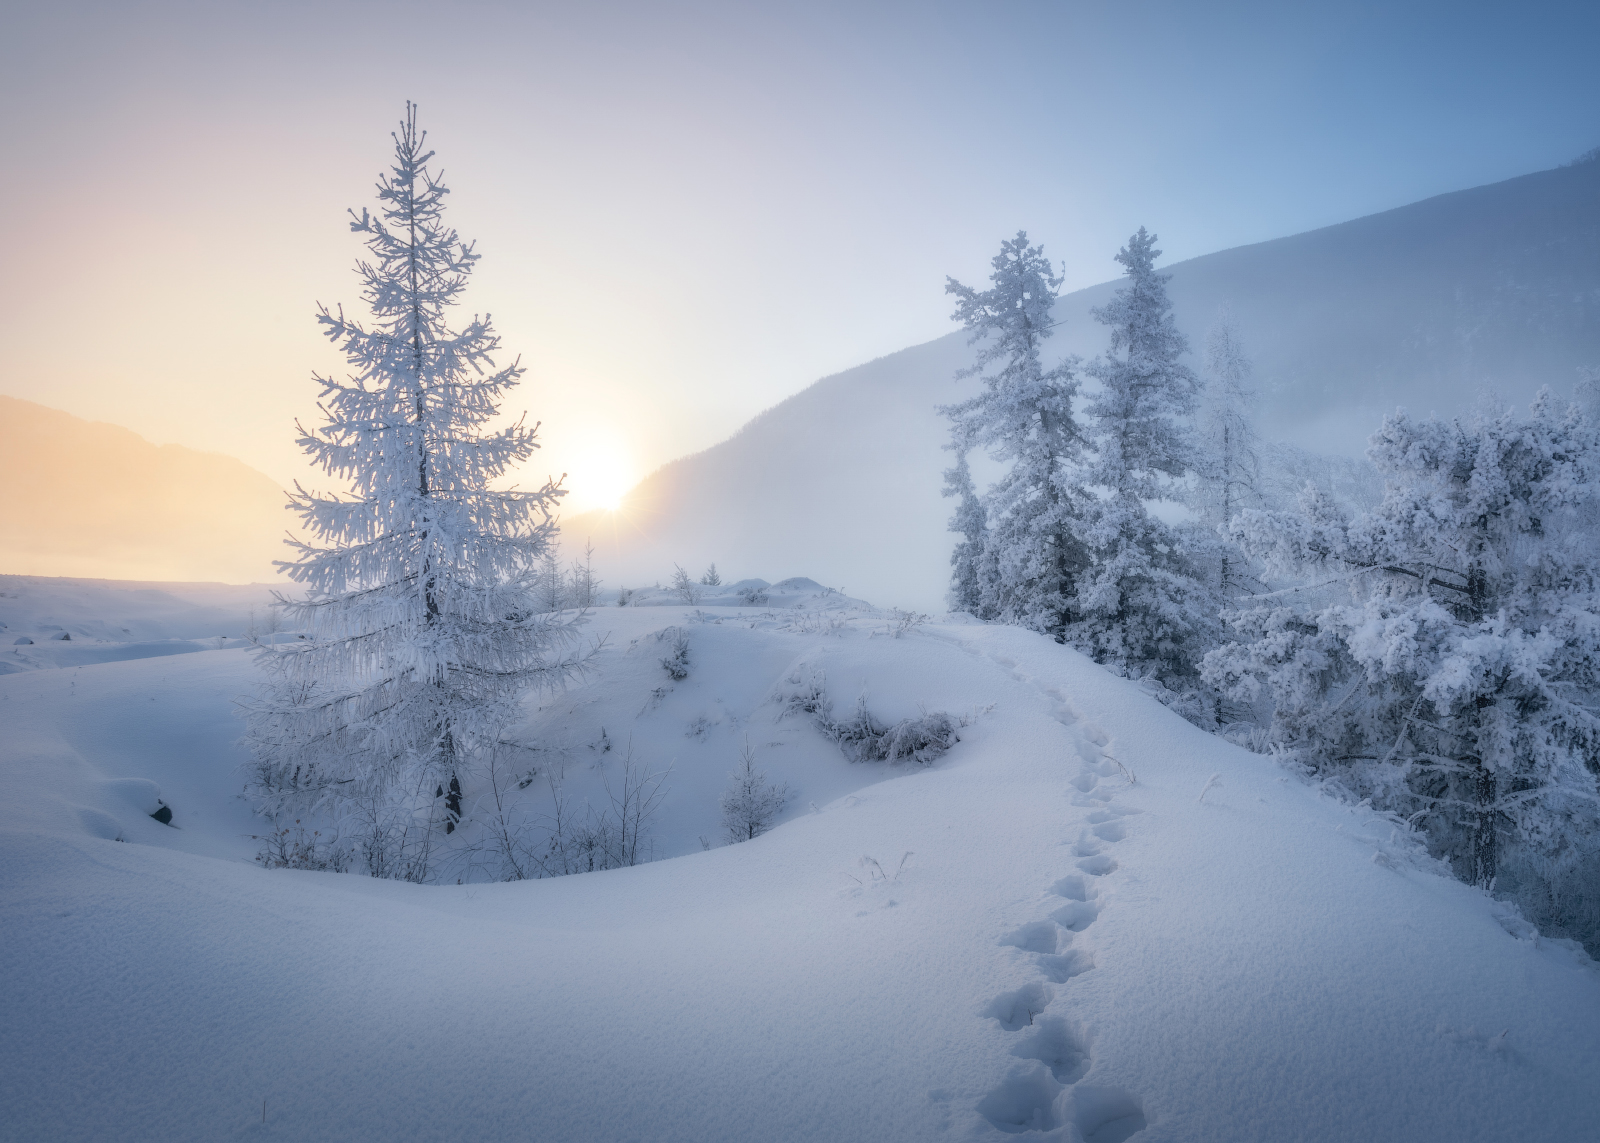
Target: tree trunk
1484,855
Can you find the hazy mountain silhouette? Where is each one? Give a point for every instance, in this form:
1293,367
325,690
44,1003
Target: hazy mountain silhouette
1426,306
84,498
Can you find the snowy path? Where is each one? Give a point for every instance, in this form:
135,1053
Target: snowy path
1065,955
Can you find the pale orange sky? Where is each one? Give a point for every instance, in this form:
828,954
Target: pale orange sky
688,211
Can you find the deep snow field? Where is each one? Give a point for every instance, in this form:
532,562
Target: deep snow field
1087,921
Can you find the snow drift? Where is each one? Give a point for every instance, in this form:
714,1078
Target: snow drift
1086,921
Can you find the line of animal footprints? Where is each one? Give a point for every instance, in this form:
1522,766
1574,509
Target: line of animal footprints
1044,1094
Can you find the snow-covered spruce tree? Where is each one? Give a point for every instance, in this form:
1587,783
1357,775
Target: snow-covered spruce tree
969,522
1227,463
1460,686
1141,606
1023,415
750,802
583,586
419,586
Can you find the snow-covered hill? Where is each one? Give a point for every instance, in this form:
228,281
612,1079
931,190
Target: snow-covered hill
1086,921
1498,286
58,622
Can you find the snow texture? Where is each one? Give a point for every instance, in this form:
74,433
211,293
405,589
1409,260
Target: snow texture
1047,932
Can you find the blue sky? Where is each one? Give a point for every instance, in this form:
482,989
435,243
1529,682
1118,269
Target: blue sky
689,211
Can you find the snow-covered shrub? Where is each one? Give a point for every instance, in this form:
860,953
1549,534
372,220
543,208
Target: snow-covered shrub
624,596
613,838
864,739
750,802
292,847
806,693
860,734
676,661
1457,686
684,586
753,596
903,623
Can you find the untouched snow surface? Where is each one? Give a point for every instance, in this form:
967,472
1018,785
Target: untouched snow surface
1211,952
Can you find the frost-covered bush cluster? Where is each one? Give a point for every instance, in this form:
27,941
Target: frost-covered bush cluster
613,837
576,586
1435,652
684,586
676,661
1449,668
294,847
861,736
903,623
751,803
921,739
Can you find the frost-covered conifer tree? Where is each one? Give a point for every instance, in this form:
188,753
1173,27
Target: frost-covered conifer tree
751,802
1141,606
1227,463
419,580
1460,685
1023,415
583,586
966,561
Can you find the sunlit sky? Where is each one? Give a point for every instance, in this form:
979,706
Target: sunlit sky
689,211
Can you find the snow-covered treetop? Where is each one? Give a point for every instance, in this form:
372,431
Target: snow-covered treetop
405,430
1145,391
1024,407
1012,317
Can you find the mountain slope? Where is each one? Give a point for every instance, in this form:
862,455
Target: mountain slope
1423,306
1106,925
86,498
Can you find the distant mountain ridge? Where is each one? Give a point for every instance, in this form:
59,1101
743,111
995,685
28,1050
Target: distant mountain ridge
84,498
1427,305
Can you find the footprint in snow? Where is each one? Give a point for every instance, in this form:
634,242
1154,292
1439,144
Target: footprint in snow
1109,814
1060,1045
1024,1101
1098,865
1076,916
1058,968
1085,846
1018,1009
1038,937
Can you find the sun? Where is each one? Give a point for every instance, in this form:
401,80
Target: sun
604,475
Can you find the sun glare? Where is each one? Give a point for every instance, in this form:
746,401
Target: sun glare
604,478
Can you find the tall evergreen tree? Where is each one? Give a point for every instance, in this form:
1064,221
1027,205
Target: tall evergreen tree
1023,415
970,523
1227,463
1141,605
418,600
